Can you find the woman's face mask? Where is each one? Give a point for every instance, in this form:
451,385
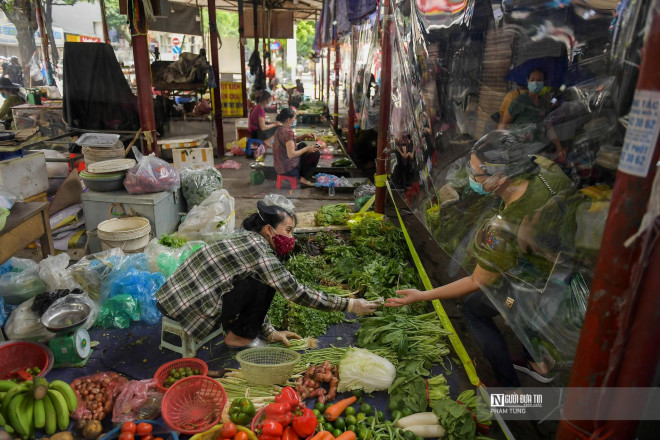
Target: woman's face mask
283,244
535,86
3,94
479,187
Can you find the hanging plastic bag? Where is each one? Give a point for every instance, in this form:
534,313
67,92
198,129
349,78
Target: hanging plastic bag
138,400
212,220
362,194
23,323
118,312
53,271
22,282
80,297
197,185
151,174
92,270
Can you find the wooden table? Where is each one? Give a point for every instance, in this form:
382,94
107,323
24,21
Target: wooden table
27,222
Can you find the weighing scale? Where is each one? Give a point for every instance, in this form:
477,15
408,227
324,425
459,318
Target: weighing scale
71,347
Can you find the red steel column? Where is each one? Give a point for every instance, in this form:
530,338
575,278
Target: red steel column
322,82
241,39
327,78
608,354
217,99
351,105
143,82
104,21
385,101
315,85
337,61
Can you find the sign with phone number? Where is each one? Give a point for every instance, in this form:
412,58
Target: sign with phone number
642,133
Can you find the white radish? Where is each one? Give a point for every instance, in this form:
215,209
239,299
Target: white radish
425,418
427,431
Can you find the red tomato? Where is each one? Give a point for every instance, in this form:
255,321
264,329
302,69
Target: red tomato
147,437
158,438
126,436
228,430
128,427
144,429
240,435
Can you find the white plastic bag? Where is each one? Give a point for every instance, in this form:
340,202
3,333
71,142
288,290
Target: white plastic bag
23,323
53,271
22,282
151,174
279,200
211,220
82,298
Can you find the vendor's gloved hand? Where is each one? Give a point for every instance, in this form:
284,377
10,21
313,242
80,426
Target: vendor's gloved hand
283,337
362,306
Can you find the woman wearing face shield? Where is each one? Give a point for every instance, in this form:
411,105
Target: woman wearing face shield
232,282
517,234
530,109
291,157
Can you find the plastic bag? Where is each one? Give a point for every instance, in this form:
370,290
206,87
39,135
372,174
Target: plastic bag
78,297
118,267
151,174
44,300
118,312
211,220
166,260
108,384
22,283
53,271
362,194
197,185
23,323
229,164
92,270
279,200
139,400
141,285
7,200
3,318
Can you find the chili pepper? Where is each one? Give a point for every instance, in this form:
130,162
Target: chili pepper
271,428
305,423
279,412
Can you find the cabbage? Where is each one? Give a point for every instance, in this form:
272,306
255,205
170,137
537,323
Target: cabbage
361,369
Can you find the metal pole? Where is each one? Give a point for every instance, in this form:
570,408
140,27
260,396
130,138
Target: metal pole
143,82
255,25
44,44
104,21
351,104
607,355
384,110
337,61
315,85
217,99
241,39
322,85
327,78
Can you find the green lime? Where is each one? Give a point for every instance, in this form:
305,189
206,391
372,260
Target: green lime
340,423
409,435
394,405
369,420
37,370
321,420
419,437
362,432
317,413
177,375
181,370
337,432
319,406
366,408
380,416
328,426
173,370
350,411
406,412
351,420
196,372
351,428
360,417
396,414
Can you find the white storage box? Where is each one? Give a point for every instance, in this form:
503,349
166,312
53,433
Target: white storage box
162,209
24,176
193,158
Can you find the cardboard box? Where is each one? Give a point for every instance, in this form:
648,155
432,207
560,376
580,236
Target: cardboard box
193,158
25,176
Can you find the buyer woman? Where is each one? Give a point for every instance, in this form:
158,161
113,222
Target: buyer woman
292,158
257,125
232,283
526,232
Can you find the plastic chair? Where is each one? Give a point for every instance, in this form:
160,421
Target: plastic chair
189,345
293,181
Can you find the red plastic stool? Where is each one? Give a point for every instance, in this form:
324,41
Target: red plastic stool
293,181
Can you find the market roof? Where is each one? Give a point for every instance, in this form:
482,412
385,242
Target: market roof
303,9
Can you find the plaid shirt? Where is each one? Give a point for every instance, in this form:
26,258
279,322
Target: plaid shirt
193,294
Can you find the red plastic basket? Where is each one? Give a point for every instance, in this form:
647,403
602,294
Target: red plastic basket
163,372
24,354
193,404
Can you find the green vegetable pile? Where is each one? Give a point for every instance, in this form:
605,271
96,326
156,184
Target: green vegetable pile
333,215
302,320
342,162
174,241
457,416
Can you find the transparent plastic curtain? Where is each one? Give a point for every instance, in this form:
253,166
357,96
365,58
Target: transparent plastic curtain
364,74
460,75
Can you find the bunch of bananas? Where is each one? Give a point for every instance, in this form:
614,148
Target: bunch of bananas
36,404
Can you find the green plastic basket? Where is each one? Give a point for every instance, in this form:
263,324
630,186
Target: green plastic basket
267,365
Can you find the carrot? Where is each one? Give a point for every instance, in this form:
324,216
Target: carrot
323,435
334,411
348,435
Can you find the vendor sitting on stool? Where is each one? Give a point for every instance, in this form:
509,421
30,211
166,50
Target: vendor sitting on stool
291,159
12,95
257,125
232,283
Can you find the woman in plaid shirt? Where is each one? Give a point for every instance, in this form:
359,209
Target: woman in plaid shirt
232,283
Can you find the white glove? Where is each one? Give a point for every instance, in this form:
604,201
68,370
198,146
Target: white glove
283,337
362,306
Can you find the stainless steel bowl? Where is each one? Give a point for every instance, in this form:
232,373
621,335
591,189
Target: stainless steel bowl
66,316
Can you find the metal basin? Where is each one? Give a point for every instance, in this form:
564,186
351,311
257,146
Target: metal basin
66,316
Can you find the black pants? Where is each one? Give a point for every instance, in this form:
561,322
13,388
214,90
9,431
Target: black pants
244,308
307,166
479,312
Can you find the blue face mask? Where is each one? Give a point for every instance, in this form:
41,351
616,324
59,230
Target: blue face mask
294,123
535,86
3,94
356,126
477,187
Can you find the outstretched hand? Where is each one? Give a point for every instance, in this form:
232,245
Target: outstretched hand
407,296
283,337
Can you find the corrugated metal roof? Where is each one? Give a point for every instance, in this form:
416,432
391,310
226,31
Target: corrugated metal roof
303,9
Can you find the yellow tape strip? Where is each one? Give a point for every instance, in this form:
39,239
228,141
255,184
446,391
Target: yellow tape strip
444,319
367,205
380,180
